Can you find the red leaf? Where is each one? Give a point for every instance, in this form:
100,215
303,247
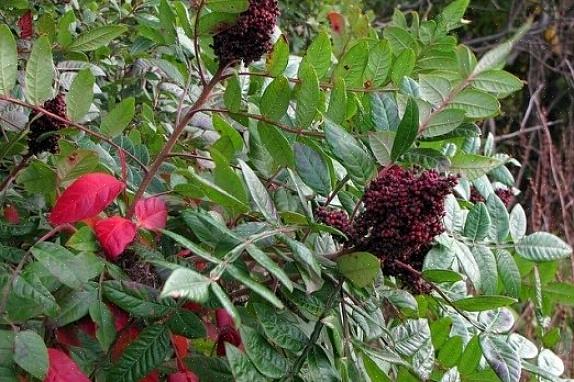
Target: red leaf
151,213
187,376
114,235
63,368
337,21
26,25
121,318
11,214
180,346
123,341
222,318
85,198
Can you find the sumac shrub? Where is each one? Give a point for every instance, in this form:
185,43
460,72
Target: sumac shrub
184,200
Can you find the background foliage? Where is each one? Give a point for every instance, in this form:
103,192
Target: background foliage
174,235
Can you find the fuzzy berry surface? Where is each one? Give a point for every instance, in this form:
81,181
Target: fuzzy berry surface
504,194
42,136
403,213
250,38
335,218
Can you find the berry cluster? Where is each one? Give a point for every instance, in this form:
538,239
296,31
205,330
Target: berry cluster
402,215
42,136
250,37
504,194
334,218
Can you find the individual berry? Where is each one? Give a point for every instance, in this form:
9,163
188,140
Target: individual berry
250,37
403,214
334,218
42,136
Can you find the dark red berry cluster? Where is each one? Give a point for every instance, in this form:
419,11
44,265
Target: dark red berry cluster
402,215
504,194
250,37
475,196
42,136
335,218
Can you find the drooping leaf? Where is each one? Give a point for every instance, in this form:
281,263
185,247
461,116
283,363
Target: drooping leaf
8,60
81,94
40,72
407,130
115,234
86,197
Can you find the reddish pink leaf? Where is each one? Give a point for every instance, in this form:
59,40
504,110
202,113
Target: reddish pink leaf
151,213
187,376
114,235
337,21
26,25
11,214
85,198
121,317
63,368
124,340
222,318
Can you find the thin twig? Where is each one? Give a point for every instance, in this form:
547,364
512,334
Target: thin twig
66,121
